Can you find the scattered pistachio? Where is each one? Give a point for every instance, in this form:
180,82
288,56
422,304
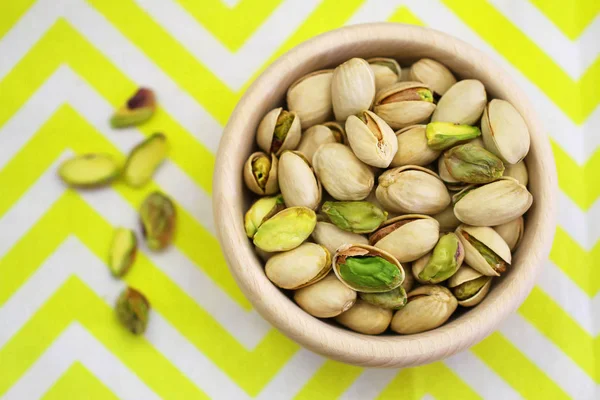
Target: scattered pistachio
138,109
133,310
157,216
144,159
122,251
89,170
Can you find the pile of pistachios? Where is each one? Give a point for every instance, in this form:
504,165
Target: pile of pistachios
425,189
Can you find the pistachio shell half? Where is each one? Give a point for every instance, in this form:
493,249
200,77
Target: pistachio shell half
404,104
427,308
505,132
260,173
485,250
310,98
463,103
317,135
469,286
354,216
436,75
279,130
352,88
518,171
392,300
299,267
371,139
512,232
332,237
473,164
443,135
448,255
386,71
413,148
297,181
365,318
326,298
262,209
286,230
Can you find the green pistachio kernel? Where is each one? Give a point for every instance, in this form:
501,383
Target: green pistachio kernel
466,290
354,216
443,135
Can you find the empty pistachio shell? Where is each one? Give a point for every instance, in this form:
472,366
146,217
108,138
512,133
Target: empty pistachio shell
407,237
412,189
297,181
279,130
463,103
436,75
473,164
260,211
317,135
352,88
443,135
448,255
286,230
485,250
89,170
493,204
427,308
447,220
413,148
332,237
404,104
371,139
354,216
505,132
469,286
392,300
326,298
310,98
511,232
138,109
122,251
157,216
144,159
260,173
367,269
365,318
341,173
302,266
517,171
386,71
133,310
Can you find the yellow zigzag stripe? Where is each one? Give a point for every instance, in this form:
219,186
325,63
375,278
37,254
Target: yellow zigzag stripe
571,17
330,381
12,11
70,215
78,382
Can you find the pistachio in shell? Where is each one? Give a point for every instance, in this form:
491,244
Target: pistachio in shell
409,280
260,173
299,267
326,298
447,220
443,135
473,164
451,183
392,300
332,237
297,181
158,220
317,135
310,98
352,88
462,104
133,310
413,148
144,159
371,139
512,232
404,104
364,317
260,211
469,286
517,171
122,253
285,230
89,170
435,74
505,132
446,258
137,110
279,130
485,250
387,71
427,307
354,216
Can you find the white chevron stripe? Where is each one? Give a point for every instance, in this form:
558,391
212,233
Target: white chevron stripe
369,384
75,344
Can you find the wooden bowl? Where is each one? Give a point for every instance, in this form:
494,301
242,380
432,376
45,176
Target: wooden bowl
231,199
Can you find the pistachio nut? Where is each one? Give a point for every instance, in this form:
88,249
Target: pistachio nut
286,230
310,98
473,164
412,189
427,308
478,141
407,237
443,135
133,310
354,216
144,159
392,300
485,250
352,88
448,255
89,170
409,281
493,204
317,135
436,75
138,109
512,232
326,298
332,237
279,130
517,171
157,217
371,139
122,251
260,173
413,148
341,173
367,269
262,209
462,193
299,267
404,104
386,71
447,220
469,286
366,318
451,183
462,104
504,131
264,255
297,181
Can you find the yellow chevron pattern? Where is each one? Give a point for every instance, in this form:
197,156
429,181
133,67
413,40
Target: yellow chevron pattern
83,54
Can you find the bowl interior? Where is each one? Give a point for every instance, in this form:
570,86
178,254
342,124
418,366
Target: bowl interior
406,44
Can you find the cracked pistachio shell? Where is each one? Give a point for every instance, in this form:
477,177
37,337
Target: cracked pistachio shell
89,170
407,237
404,104
354,216
133,310
332,237
439,265
435,74
494,204
517,171
413,148
310,98
122,253
504,131
443,135
366,318
279,130
302,266
285,230
412,189
262,209
352,88
512,232
139,108
317,135
341,173
469,286
367,269
387,71
158,220
392,300
297,181
371,139
463,103
447,220
427,308
473,164
260,173
326,298
485,250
